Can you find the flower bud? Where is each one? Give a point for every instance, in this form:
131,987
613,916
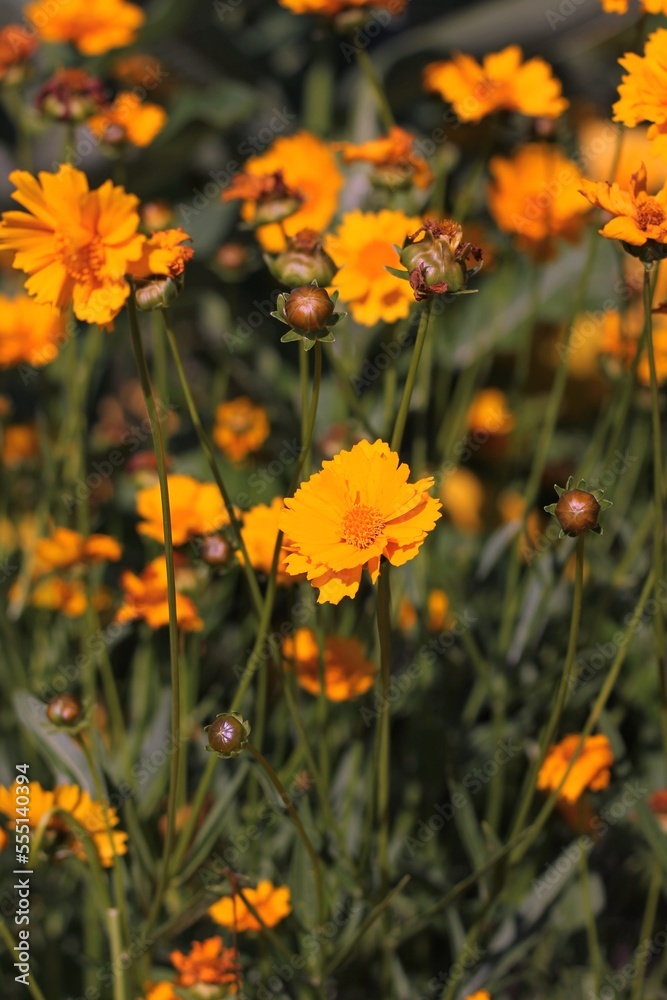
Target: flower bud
437,262
578,510
64,710
215,550
158,293
71,95
228,734
308,308
232,256
305,260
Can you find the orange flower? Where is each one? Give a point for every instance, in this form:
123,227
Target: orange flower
363,246
637,216
260,531
329,8
657,803
489,413
309,167
359,508
591,769
56,594
16,47
347,672
407,615
208,962
241,427
163,253
462,496
94,28
536,195
65,548
642,95
439,617
479,995
393,155
274,201
501,83
145,596
75,243
271,902
18,444
128,119
620,337
598,141
511,506
621,6
196,509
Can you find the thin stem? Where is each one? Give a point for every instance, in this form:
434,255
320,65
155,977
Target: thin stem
384,722
117,954
174,771
367,924
402,416
591,929
373,80
10,944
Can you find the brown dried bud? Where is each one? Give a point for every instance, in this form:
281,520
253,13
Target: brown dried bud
228,734
216,550
308,308
64,710
577,511
437,262
71,95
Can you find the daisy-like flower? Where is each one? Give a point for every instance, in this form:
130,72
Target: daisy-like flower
207,962
393,156
196,509
29,333
94,28
259,532
639,219
271,902
363,247
502,82
16,47
330,8
66,548
591,770
74,243
621,6
145,596
536,195
128,120
359,508
642,95
308,166
69,597
347,672
241,428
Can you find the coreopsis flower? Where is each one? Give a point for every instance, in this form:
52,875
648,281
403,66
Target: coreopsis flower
65,548
346,670
309,313
578,509
128,120
394,158
16,47
241,428
639,219
29,333
363,247
435,258
331,8
196,509
259,533
271,902
19,444
71,95
145,597
502,82
536,195
303,261
308,166
621,6
438,614
591,770
273,199
207,962
59,840
359,508
489,414
462,496
94,28
158,275
74,243
642,94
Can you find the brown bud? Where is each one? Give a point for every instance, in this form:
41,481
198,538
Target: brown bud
228,734
232,256
71,95
308,308
577,511
215,550
64,710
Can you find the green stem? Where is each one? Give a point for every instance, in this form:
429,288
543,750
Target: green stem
158,443
120,991
591,929
10,944
402,416
367,924
373,80
384,722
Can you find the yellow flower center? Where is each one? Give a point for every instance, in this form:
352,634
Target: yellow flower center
362,525
650,213
82,261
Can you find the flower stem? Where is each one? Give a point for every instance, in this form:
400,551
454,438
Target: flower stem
374,82
402,416
648,922
10,944
117,955
384,722
591,929
158,443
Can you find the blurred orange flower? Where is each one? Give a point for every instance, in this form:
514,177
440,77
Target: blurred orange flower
489,413
620,338
29,333
637,216
642,95
407,615
502,82
16,46
309,166
621,6
657,803
359,508
437,606
362,247
145,596
128,119
393,155
163,253
196,509
260,531
57,594
65,548
598,140
347,672
94,28
590,771
462,496
271,902
207,962
19,443
241,427
74,243
536,195
330,8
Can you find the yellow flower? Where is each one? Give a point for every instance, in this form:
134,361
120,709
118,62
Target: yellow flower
94,28
637,216
591,769
347,672
145,596
74,243
501,83
29,333
196,509
241,427
536,195
362,247
462,496
489,413
359,508
19,443
65,548
621,6
163,253
642,95
393,155
309,166
439,617
271,902
260,531
128,119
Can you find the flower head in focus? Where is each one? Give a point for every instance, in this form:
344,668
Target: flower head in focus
309,313
241,428
642,94
501,82
359,508
394,158
145,596
196,509
29,333
436,263
346,670
639,220
271,902
578,510
128,120
75,244
94,28
590,771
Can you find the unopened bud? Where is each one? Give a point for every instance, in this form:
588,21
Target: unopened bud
64,710
228,734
